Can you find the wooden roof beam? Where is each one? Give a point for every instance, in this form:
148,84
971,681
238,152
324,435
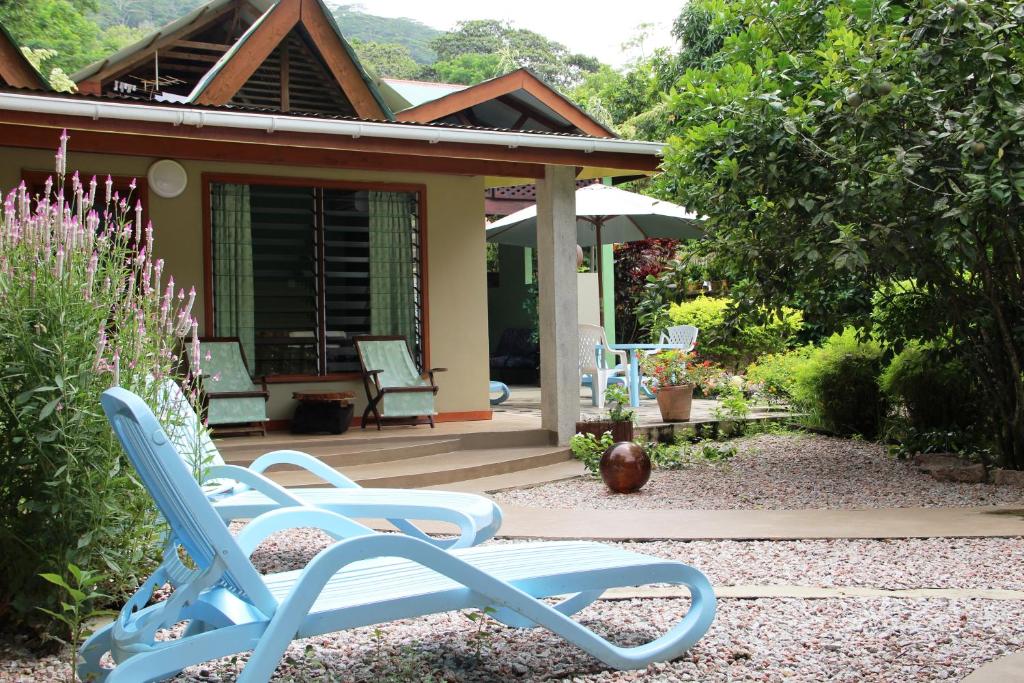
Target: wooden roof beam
251,55
109,71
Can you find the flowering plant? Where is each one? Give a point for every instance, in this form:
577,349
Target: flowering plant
675,368
84,306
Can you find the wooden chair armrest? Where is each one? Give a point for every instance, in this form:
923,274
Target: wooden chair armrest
438,370
372,373
406,390
236,394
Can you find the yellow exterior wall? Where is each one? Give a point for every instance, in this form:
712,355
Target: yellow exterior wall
456,261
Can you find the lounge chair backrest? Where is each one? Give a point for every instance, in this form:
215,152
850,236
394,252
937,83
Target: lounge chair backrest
195,525
683,335
392,356
590,336
182,424
226,360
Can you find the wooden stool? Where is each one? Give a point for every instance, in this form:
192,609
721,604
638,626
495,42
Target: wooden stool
322,412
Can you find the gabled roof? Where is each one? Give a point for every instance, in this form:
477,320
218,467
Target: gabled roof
228,51
15,69
518,100
403,93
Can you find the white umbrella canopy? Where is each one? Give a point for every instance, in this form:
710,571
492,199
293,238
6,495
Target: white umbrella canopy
605,215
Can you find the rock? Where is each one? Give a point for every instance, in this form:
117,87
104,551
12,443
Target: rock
927,461
962,472
1003,477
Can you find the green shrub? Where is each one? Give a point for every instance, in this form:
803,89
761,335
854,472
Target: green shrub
734,346
838,385
773,375
588,449
926,386
82,308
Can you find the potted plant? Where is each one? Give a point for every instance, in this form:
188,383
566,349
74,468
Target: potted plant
620,418
673,378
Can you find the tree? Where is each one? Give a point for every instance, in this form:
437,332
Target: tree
850,144
389,60
514,47
468,69
66,28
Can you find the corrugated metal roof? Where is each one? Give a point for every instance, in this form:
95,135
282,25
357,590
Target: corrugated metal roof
229,108
416,93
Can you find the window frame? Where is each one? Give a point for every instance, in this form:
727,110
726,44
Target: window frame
208,179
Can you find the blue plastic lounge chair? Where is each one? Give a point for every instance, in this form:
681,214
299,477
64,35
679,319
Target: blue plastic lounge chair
500,388
243,493
365,578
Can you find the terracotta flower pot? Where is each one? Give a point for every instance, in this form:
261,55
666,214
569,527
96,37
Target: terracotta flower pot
675,402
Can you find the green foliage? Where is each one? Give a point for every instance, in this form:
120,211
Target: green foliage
617,398
773,375
76,609
514,48
732,403
588,449
387,60
932,388
838,385
469,69
413,35
67,28
82,308
735,344
841,146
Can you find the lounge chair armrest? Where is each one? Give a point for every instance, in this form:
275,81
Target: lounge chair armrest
338,526
372,373
407,390
306,462
253,480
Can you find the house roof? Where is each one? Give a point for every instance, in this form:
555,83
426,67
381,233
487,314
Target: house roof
124,126
15,69
409,93
267,26
518,100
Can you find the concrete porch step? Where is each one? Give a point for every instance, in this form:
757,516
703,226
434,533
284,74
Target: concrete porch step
535,476
435,470
345,454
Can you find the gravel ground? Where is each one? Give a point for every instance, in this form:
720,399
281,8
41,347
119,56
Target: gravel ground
889,564
777,472
759,640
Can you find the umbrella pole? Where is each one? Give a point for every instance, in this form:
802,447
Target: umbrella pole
600,275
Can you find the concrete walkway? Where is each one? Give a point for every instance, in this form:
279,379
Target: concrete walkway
1008,669
773,525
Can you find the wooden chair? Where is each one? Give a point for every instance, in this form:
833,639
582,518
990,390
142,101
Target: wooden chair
394,386
233,402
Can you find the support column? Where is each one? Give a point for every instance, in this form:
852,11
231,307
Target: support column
556,279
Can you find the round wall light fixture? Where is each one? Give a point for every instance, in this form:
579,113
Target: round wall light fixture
167,178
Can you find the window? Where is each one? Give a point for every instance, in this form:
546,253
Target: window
299,271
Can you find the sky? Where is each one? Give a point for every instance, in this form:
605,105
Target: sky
597,28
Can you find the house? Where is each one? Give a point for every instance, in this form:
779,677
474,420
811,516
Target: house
284,184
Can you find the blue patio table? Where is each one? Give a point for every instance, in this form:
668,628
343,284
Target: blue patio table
633,376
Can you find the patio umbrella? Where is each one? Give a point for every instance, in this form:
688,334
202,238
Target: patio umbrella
605,215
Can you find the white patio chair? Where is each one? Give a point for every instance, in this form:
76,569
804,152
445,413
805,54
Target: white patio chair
595,364
684,335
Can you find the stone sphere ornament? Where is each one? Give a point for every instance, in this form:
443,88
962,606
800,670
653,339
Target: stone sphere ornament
625,467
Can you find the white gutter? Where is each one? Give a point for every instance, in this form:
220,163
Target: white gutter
270,123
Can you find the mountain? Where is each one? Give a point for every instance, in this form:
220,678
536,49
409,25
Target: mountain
355,23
